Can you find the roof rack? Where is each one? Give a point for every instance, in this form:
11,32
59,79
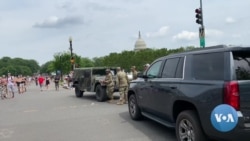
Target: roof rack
217,46
207,48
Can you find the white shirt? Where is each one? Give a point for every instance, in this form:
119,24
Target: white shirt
10,81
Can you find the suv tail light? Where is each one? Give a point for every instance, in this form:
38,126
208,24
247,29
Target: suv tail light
232,95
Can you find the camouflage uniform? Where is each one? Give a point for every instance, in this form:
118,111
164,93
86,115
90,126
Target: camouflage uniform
134,72
110,84
122,82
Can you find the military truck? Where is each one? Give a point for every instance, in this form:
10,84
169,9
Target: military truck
89,80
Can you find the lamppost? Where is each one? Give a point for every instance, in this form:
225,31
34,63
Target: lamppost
72,61
61,70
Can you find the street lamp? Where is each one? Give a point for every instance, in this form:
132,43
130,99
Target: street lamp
72,61
61,70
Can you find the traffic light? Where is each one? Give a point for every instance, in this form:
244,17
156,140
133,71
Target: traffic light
198,16
72,60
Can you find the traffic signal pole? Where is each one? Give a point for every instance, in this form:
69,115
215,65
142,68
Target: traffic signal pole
202,32
199,20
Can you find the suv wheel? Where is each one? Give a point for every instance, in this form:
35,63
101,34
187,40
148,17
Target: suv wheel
133,107
188,127
78,92
100,93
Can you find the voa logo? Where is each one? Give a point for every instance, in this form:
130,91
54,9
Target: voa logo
224,118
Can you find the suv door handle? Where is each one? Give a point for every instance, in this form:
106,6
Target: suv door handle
173,87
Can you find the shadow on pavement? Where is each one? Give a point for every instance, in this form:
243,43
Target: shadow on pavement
90,97
151,129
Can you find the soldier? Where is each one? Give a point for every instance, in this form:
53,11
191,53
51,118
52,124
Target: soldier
146,66
134,72
122,82
110,85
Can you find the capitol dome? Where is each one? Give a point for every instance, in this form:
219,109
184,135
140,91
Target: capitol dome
140,44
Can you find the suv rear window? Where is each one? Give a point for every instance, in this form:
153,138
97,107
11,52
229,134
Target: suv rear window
242,64
208,66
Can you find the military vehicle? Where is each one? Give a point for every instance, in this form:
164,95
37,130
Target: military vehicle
89,80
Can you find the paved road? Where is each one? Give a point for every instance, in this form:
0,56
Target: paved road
60,116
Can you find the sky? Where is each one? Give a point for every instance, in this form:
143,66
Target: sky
38,29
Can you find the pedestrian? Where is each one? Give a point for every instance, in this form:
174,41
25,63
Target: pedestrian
122,83
18,81
23,83
10,84
3,87
108,81
134,72
56,80
40,81
36,80
47,82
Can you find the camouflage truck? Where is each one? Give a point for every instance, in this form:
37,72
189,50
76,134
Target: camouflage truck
89,80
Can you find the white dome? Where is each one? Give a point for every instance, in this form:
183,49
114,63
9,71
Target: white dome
140,43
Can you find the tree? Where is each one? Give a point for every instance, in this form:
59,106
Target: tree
86,62
47,67
18,66
62,64
98,62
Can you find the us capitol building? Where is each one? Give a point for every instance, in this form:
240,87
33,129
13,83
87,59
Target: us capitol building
140,44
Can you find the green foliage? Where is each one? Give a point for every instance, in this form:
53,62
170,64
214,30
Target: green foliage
98,61
18,66
86,62
47,68
61,61
126,59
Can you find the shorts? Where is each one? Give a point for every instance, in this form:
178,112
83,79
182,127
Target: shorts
11,88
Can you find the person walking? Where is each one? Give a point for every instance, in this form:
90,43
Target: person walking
18,81
10,84
47,82
3,87
122,83
108,81
40,81
56,80
36,81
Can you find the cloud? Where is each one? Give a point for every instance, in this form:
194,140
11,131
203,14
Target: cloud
56,22
100,7
65,4
213,32
186,35
237,36
161,32
230,20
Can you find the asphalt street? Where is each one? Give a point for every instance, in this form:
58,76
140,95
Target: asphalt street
51,115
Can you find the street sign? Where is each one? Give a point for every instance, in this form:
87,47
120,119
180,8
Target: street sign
202,36
202,42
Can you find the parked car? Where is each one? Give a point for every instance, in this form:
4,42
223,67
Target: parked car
181,91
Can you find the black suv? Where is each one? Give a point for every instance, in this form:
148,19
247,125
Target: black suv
181,90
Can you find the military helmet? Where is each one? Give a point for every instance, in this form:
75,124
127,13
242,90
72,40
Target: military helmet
107,70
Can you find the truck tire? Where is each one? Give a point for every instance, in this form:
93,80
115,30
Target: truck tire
188,127
101,94
78,92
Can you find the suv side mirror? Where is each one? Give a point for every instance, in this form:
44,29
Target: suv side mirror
141,75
